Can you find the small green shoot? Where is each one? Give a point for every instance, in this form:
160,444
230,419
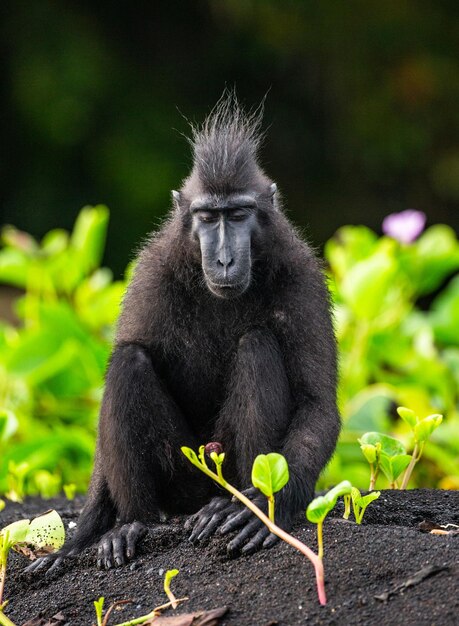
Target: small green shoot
421,429
199,461
360,503
270,475
376,446
321,506
167,586
45,532
99,607
69,490
16,480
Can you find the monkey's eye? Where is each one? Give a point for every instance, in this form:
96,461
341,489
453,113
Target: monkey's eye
208,216
237,216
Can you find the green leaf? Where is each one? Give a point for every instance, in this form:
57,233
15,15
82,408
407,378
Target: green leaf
16,532
8,424
425,427
369,452
393,466
88,237
318,509
341,489
46,530
270,473
367,283
408,416
389,445
370,497
355,495
169,575
190,455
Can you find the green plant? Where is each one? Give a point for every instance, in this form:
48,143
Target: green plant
52,363
46,532
422,430
199,461
269,475
384,453
70,491
359,503
2,504
389,454
169,575
321,506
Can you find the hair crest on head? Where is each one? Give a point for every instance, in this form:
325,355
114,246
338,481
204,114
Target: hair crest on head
225,147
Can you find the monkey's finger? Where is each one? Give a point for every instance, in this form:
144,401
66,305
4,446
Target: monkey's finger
55,566
270,540
241,538
105,552
37,565
136,532
249,493
203,520
118,549
100,556
256,542
191,521
212,526
236,521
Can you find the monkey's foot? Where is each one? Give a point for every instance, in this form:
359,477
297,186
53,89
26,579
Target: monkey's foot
118,545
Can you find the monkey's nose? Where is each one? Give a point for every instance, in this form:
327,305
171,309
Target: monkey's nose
225,261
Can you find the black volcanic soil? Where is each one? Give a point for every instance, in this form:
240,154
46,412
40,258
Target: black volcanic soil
272,587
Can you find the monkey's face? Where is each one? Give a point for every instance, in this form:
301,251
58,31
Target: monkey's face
225,230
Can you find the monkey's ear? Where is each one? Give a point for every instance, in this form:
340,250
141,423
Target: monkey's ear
176,198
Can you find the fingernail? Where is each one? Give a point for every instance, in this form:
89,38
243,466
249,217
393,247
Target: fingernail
118,561
129,554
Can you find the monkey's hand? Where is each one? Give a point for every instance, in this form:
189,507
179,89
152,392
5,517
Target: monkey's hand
118,545
206,521
252,533
225,515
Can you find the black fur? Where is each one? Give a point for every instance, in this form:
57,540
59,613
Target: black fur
256,373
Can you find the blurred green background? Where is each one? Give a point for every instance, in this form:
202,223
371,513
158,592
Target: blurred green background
362,109
363,120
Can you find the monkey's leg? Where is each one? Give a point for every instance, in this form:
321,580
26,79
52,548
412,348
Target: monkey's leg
141,432
253,421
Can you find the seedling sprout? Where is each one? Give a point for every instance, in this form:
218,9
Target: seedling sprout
421,429
199,461
167,586
269,475
388,455
321,506
360,503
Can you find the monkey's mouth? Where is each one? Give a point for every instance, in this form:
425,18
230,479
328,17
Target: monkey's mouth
228,290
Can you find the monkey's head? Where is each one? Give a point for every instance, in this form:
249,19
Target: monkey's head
226,198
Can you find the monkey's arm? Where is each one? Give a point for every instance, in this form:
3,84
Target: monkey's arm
307,344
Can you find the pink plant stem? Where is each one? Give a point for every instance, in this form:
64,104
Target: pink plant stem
296,543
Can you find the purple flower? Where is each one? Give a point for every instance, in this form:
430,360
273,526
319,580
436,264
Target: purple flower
405,226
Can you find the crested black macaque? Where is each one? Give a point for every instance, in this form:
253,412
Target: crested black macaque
225,335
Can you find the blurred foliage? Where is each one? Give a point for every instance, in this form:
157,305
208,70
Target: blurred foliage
392,351
362,109
52,365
